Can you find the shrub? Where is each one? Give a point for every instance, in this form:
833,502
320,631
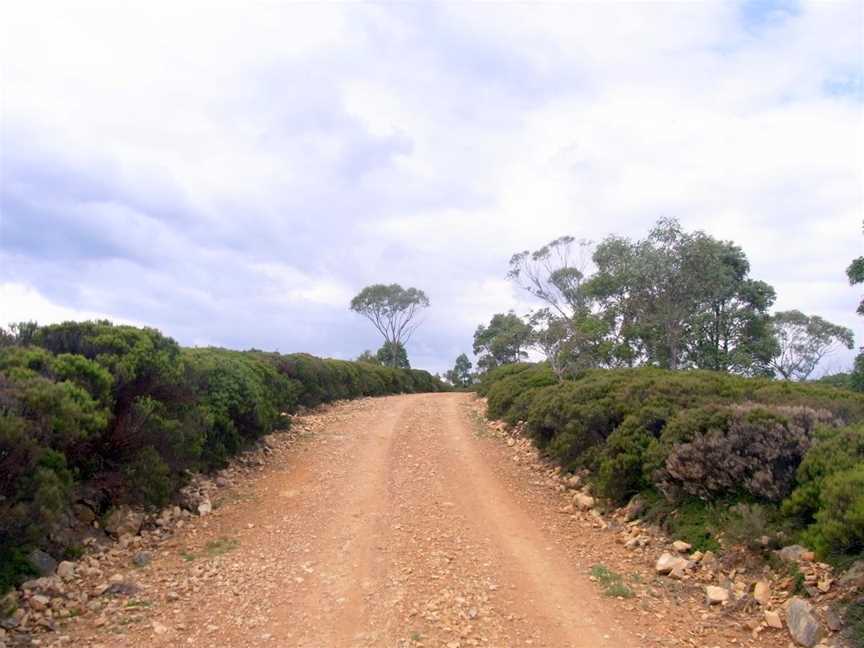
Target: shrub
839,525
705,441
126,411
510,397
833,450
241,397
746,524
500,373
750,450
149,478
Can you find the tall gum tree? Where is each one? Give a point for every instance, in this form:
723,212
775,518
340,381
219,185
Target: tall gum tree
803,341
393,311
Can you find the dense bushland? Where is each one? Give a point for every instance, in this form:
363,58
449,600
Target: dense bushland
702,442
94,414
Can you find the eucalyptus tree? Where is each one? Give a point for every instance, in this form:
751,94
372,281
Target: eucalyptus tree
393,355
393,311
460,374
803,341
504,341
567,327
680,299
855,272
731,328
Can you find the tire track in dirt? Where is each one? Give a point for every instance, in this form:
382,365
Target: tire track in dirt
389,526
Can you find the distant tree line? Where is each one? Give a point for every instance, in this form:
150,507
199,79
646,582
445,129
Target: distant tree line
673,300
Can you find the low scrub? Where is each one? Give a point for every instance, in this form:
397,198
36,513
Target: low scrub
745,453
119,414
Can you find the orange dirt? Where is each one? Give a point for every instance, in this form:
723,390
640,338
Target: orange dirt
398,523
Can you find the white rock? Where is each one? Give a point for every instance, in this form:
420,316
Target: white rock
583,501
39,602
667,562
772,618
681,547
715,595
66,570
205,507
762,593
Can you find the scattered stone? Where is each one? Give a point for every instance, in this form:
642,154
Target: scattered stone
716,595
762,593
679,571
66,570
635,507
159,629
833,620
205,507
583,501
39,602
122,588
122,520
667,562
792,553
84,513
772,619
854,576
142,559
681,547
803,625
42,562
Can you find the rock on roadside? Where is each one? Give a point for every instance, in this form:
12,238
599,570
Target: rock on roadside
803,625
42,562
666,563
715,595
123,520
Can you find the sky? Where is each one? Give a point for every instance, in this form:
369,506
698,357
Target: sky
233,173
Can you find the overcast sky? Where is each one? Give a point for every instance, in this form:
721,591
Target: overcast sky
234,175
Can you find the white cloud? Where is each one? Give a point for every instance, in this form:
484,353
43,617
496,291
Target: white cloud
22,303
217,161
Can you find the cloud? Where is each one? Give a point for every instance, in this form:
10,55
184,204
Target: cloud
234,174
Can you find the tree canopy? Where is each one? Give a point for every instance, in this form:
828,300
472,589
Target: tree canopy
674,299
504,341
392,310
683,299
460,374
803,341
393,355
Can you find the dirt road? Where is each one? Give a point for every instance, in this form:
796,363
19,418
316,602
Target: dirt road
398,523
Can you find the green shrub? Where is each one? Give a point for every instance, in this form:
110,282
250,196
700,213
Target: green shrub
612,582
126,408
149,478
705,440
834,450
839,525
500,373
746,524
695,521
510,397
